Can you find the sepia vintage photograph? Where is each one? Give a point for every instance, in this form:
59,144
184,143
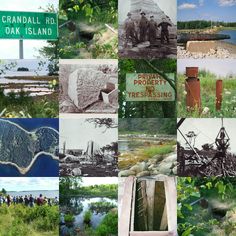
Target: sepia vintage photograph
88,86
88,147
147,29
205,147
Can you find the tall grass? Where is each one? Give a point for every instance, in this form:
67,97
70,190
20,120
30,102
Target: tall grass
159,150
24,221
208,93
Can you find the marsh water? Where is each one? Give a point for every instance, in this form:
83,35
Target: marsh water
33,87
79,206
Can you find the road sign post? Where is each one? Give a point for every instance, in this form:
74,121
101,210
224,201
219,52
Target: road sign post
28,25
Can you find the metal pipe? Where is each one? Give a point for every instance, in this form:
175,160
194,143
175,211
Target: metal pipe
219,90
192,87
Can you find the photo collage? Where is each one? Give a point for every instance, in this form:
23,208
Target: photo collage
117,118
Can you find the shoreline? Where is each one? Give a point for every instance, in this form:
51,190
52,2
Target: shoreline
24,170
33,77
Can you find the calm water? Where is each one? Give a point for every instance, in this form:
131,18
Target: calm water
44,166
131,145
96,217
30,124
232,34
46,193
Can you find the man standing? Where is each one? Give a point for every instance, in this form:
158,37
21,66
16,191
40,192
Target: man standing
143,26
130,29
164,30
152,31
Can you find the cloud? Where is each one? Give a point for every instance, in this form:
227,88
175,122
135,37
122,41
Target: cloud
227,3
26,183
187,6
201,3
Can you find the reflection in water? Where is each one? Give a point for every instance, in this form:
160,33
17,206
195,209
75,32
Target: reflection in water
78,207
132,145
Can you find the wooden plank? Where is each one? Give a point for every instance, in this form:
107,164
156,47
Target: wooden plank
133,206
151,233
126,204
150,190
171,204
164,222
159,204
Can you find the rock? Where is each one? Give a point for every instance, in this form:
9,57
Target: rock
200,46
151,167
126,173
139,167
171,158
157,158
174,170
84,86
76,172
165,168
143,173
154,172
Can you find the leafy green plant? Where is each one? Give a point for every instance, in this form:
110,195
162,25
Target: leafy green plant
87,217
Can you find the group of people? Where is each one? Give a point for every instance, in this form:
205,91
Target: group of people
145,30
28,200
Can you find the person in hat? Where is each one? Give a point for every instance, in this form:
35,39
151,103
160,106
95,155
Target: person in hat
164,30
152,31
130,29
143,26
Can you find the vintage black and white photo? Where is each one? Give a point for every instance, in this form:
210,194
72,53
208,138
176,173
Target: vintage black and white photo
88,86
88,147
147,29
206,147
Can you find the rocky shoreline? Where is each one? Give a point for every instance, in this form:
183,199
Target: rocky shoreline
159,164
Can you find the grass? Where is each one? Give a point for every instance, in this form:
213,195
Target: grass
100,207
108,226
129,159
24,221
87,216
161,150
23,106
208,86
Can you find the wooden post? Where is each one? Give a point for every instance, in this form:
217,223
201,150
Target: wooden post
171,204
126,207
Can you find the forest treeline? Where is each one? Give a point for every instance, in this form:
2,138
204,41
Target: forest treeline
73,186
148,126
202,24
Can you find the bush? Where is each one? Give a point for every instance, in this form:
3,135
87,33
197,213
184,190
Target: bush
109,225
69,218
87,217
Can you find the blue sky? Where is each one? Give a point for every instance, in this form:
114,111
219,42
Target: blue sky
29,183
9,49
216,10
